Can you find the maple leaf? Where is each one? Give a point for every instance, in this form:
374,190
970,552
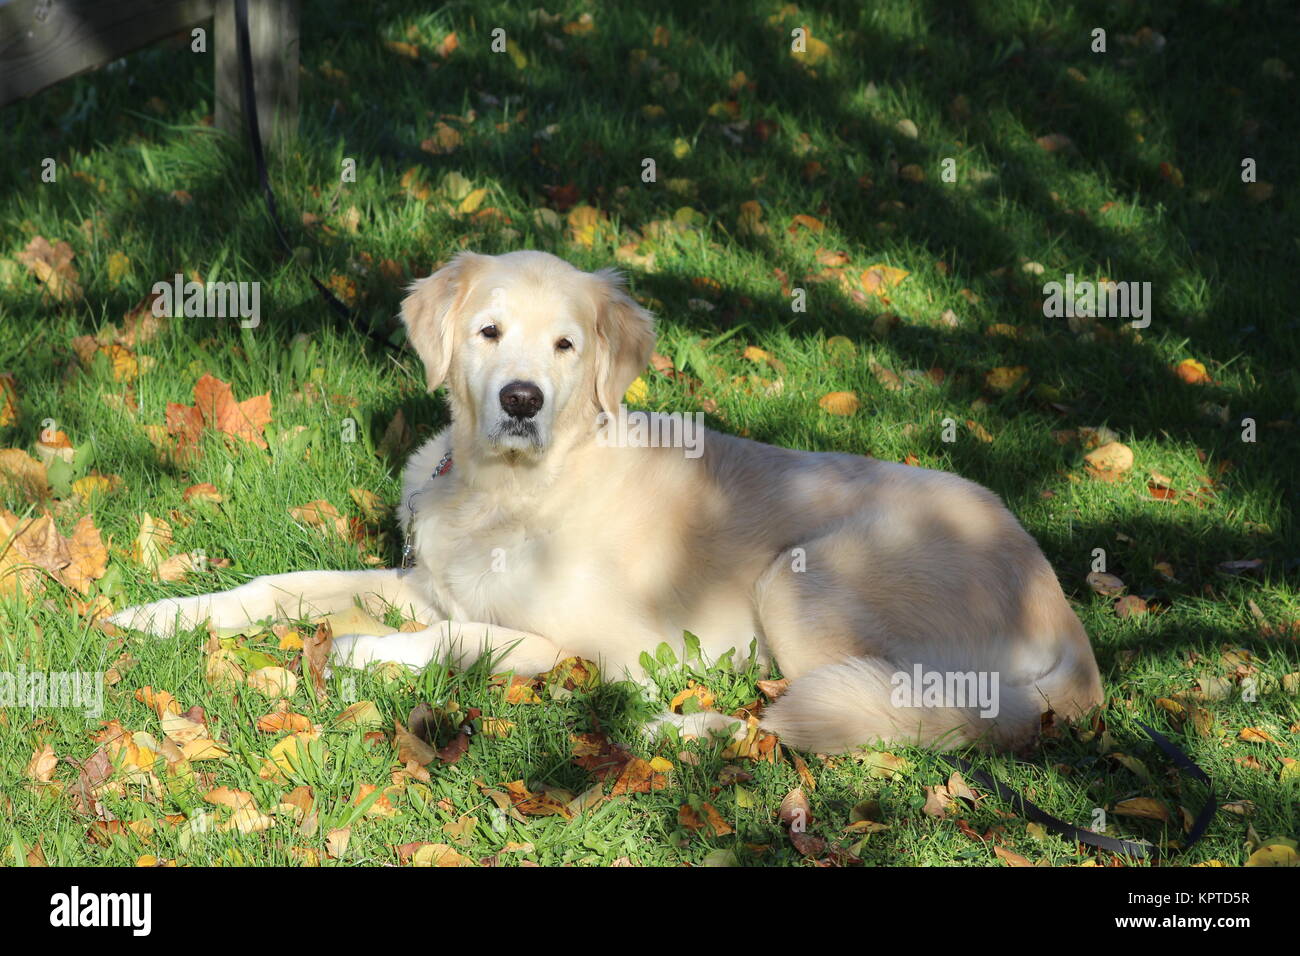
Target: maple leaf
34,545
215,407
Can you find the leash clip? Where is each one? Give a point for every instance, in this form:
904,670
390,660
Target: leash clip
408,533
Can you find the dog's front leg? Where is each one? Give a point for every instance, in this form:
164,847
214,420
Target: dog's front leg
299,594
458,645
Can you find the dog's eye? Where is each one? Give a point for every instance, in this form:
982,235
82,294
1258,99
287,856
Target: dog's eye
489,332
564,345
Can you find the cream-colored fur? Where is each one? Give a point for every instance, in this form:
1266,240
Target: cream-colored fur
542,543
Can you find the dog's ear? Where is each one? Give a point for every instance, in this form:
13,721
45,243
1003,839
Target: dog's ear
625,339
429,313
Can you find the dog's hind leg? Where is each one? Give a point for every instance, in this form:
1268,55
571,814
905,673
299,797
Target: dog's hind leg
883,648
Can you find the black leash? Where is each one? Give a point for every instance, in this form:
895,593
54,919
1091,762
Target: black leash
1140,850
259,158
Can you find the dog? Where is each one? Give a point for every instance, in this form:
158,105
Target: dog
878,588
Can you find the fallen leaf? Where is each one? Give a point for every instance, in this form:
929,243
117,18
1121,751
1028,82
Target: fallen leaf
52,266
1192,372
1130,606
1146,808
711,822
215,407
839,403
1105,584
1054,142
1110,462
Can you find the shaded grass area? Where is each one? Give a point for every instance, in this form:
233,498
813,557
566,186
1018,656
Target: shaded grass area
979,83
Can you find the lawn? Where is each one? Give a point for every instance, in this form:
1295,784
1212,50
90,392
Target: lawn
877,215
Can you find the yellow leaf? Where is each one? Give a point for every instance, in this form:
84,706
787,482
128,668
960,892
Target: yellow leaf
272,681
91,485
637,392
1006,378
879,278
471,202
583,223
1274,855
438,854
363,713
153,543
839,403
516,55
814,50
698,691
204,750
119,267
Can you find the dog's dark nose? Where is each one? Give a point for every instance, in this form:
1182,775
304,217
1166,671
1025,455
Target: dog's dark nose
521,399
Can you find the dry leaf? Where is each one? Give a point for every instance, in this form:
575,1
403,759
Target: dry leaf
839,403
1110,462
52,266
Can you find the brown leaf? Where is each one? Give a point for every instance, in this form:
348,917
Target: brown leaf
52,266
1010,858
1146,808
1054,142
206,491
711,822
1108,585
938,802
794,809
1130,606
316,655
41,767
9,409
215,407
23,475
410,747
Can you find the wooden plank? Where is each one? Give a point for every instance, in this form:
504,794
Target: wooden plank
43,42
273,42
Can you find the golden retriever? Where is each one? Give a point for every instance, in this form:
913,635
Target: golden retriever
904,605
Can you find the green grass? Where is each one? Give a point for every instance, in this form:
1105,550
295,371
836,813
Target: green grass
1223,270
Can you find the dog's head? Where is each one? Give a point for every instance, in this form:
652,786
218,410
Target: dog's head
527,344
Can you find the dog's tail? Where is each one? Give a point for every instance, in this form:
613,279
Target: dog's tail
865,702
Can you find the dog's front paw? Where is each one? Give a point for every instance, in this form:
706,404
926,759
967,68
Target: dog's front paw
163,618
414,649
